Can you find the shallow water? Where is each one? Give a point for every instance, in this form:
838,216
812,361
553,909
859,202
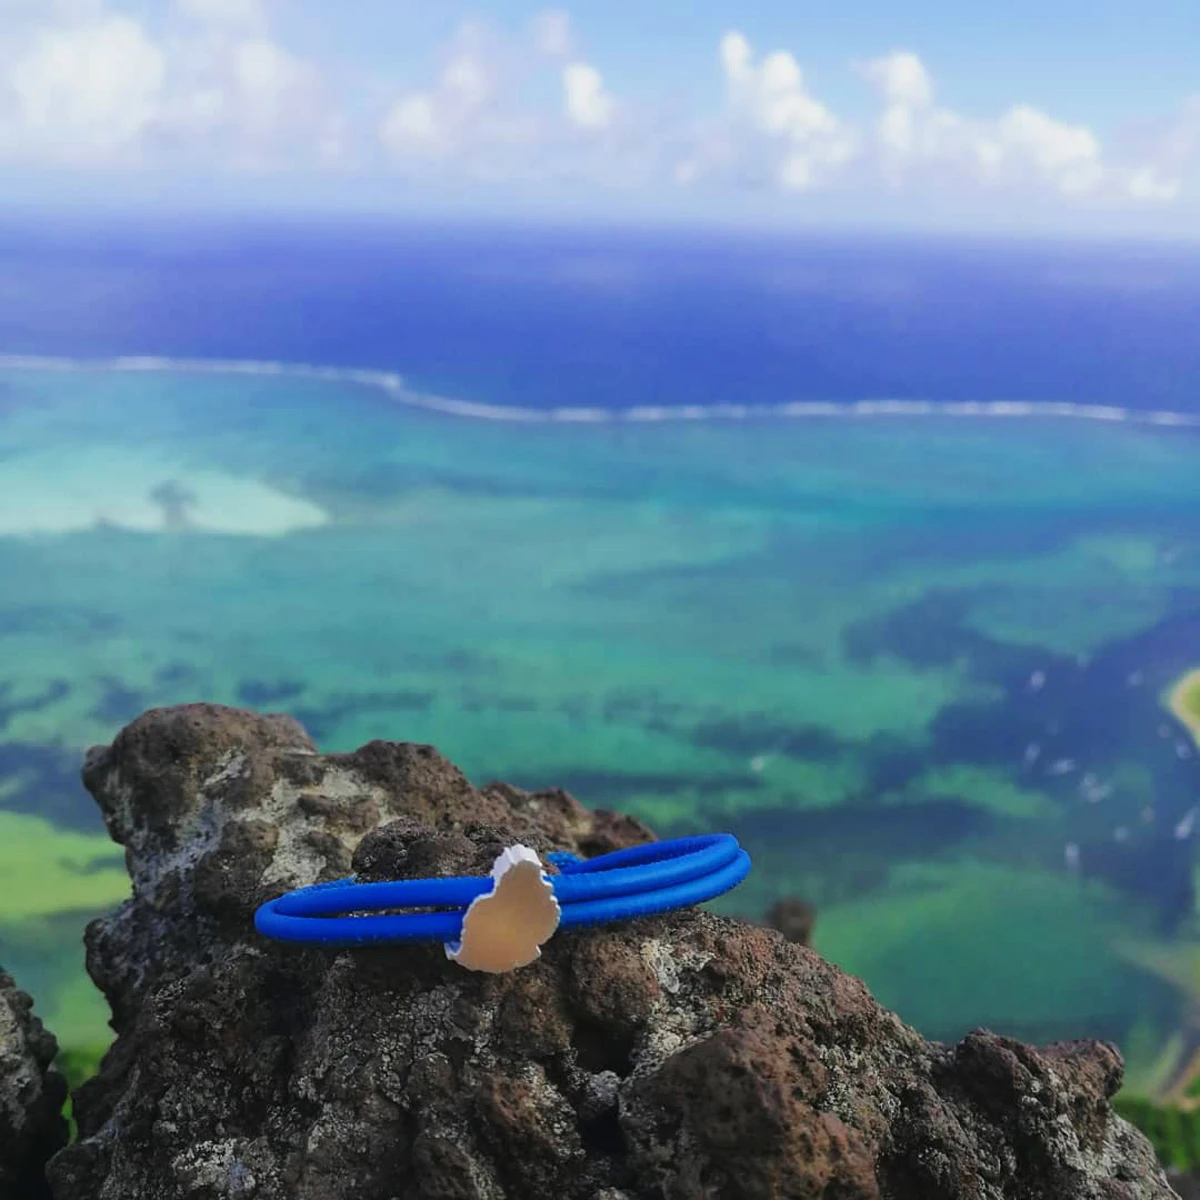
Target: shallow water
916,663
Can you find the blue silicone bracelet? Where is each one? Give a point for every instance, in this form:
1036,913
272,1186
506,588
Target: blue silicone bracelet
634,882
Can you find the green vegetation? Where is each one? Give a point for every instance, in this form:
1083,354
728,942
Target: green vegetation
1174,1132
78,1064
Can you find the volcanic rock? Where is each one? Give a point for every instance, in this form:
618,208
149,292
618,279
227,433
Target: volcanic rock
32,1093
678,1057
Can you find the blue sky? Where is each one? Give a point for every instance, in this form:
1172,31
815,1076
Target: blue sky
1103,62
1066,118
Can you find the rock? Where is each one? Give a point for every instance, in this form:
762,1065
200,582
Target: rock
794,919
32,1094
684,1056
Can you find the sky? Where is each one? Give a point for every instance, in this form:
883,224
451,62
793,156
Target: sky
1077,117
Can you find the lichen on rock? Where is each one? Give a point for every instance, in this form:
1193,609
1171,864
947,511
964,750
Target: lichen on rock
680,1056
32,1092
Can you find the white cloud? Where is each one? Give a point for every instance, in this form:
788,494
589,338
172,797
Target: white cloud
84,92
475,118
735,55
1146,184
1023,150
1171,151
775,125
208,87
445,117
552,33
1181,146
902,78
466,83
412,124
588,105
209,84
775,132
277,93
1067,155
247,101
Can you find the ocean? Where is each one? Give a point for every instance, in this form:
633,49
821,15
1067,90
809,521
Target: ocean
883,555
538,318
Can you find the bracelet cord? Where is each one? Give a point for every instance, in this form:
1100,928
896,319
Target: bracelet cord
635,882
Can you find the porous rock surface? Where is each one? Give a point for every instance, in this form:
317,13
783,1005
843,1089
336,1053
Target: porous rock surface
31,1097
684,1056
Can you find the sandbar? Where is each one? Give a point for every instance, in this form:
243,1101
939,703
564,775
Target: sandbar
1184,702
81,488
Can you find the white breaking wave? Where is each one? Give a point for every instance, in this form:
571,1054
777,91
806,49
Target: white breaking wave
394,387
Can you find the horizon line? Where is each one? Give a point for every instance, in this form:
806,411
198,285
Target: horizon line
739,226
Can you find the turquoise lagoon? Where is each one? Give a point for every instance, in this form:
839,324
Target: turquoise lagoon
914,657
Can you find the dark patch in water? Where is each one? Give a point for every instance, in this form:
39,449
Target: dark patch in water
917,534
596,787
892,764
744,737
56,690
575,709
939,535
175,673
1063,727
94,866
389,482
257,693
642,706
645,708
476,702
786,654
173,500
904,830
61,620
842,853
462,662
44,954
118,704
45,783
931,632
323,720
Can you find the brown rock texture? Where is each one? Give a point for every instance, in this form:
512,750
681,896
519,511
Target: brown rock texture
31,1097
677,1057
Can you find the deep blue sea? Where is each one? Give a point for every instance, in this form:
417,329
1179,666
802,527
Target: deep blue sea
924,640
617,318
